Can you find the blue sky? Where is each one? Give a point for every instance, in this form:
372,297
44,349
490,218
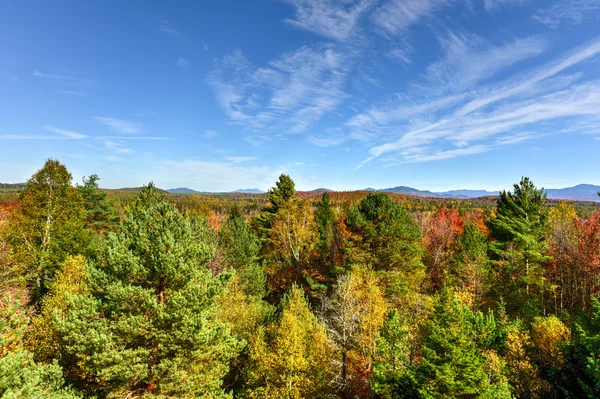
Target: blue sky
221,95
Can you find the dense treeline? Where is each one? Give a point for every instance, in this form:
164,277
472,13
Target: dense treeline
292,296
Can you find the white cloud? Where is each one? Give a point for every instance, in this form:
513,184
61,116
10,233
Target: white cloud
469,59
289,94
396,16
118,147
326,141
210,133
120,125
65,80
498,111
240,159
183,62
569,11
65,133
491,4
333,19
59,134
445,154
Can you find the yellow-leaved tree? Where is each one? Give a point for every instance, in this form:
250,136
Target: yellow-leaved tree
291,358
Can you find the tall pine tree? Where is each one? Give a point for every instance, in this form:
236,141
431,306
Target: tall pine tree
150,325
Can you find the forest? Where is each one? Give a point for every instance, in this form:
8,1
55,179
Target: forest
144,294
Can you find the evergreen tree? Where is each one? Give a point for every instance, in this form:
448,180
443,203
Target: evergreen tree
239,248
452,365
327,246
519,247
385,236
20,375
46,227
99,213
470,269
391,367
150,325
588,337
281,194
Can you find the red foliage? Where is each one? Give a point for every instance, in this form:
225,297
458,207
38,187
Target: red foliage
441,237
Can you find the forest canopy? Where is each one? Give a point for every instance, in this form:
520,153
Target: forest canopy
141,293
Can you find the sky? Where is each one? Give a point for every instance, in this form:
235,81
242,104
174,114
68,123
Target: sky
224,95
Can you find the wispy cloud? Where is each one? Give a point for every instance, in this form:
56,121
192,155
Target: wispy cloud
118,146
183,62
210,133
59,134
492,4
127,138
240,159
167,28
469,59
120,125
65,80
394,17
65,133
464,123
329,18
290,93
569,11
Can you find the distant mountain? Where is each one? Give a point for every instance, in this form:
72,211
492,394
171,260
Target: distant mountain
182,190
249,191
581,192
321,190
468,193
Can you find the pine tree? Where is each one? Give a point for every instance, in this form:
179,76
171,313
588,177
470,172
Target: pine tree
20,375
327,246
391,367
99,213
240,251
385,237
452,364
519,247
281,194
150,325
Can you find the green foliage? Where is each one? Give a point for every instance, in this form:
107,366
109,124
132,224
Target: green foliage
281,194
99,213
239,248
46,227
391,377
470,270
21,377
150,325
588,335
327,244
385,237
519,247
452,364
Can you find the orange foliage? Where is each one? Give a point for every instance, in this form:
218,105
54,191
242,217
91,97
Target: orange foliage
439,242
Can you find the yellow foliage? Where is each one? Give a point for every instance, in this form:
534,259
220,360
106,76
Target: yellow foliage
549,334
524,376
292,358
242,312
70,280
